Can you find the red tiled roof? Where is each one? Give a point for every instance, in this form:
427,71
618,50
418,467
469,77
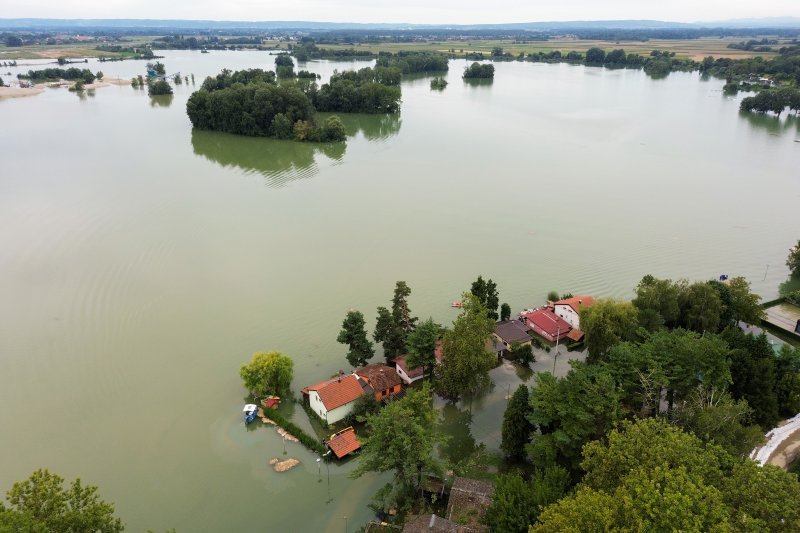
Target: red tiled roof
379,377
410,372
438,351
548,321
575,335
337,391
344,443
577,302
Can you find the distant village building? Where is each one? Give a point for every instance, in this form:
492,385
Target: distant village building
333,399
570,309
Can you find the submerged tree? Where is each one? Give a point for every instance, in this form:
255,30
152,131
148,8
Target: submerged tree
354,335
516,425
465,359
421,344
268,373
389,334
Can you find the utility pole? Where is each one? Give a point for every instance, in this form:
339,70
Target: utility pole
555,355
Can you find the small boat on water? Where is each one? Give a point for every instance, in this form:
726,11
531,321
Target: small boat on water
250,412
457,303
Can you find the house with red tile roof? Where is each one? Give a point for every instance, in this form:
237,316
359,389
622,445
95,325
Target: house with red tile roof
333,399
545,323
570,309
344,442
383,380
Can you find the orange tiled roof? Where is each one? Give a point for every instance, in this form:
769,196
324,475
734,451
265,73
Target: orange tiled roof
575,334
337,391
380,377
577,302
344,443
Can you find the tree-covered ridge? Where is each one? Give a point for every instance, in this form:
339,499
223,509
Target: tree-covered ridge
49,74
409,62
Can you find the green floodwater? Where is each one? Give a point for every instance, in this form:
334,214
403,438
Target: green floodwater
141,262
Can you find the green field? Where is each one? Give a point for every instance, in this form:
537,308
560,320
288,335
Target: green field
691,48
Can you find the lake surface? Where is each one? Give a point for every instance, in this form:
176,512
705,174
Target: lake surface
142,263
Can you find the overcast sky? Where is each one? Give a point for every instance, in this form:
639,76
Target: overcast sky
414,11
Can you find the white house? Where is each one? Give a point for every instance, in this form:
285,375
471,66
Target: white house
570,309
332,400
408,375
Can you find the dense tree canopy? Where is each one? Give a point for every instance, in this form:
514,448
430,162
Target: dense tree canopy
516,429
465,359
570,411
651,476
478,71
42,504
421,345
606,323
268,373
401,439
364,91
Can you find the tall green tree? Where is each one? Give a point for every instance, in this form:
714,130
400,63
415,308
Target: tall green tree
754,378
513,508
465,359
571,411
516,425
701,308
401,439
606,323
716,417
400,310
492,299
745,305
41,503
268,373
478,289
389,333
486,292
505,312
793,260
354,335
421,344
657,302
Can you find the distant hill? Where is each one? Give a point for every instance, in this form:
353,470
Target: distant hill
133,24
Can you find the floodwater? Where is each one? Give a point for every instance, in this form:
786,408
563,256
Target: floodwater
142,263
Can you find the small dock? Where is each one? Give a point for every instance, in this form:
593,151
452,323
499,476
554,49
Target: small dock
784,316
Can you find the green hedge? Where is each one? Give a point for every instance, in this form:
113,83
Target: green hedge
305,439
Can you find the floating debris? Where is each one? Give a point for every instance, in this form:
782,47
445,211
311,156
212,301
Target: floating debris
286,435
283,466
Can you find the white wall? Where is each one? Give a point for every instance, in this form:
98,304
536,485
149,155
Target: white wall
407,380
568,313
328,416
